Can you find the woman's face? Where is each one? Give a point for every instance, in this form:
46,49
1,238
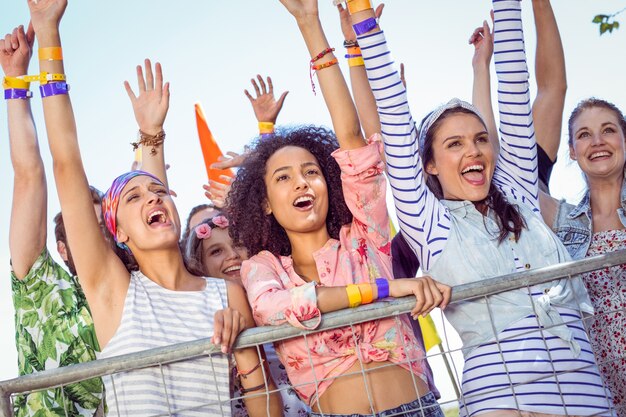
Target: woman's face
221,259
146,216
297,194
598,143
463,158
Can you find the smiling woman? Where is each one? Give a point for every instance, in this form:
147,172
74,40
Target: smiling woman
469,214
129,308
597,135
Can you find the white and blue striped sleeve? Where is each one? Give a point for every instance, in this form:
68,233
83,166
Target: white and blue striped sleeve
516,171
424,221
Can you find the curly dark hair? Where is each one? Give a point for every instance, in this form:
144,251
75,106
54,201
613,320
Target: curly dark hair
251,227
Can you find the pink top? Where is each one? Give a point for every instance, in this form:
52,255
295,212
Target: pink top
278,295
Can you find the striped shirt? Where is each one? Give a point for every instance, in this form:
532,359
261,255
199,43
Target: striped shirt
154,317
424,220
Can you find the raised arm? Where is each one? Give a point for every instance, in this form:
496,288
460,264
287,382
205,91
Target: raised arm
150,108
361,91
551,80
516,170
334,88
27,232
423,219
102,274
482,39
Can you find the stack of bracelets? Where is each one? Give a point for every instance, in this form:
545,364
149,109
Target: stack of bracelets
364,293
50,84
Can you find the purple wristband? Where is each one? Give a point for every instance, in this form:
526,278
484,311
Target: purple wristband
17,93
383,288
364,26
54,89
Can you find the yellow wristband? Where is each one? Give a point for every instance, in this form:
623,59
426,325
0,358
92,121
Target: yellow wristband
367,293
266,128
44,78
354,295
53,53
15,82
355,6
356,62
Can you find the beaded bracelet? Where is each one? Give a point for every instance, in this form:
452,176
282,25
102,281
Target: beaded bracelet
318,67
350,43
149,140
325,64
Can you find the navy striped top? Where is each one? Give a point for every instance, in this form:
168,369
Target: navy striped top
424,220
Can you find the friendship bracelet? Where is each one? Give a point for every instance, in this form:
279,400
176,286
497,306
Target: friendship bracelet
149,140
255,388
321,54
15,83
350,43
367,293
383,288
354,295
325,64
52,53
355,6
364,26
314,68
17,93
245,374
356,62
54,89
266,128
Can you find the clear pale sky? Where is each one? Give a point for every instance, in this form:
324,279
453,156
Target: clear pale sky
209,51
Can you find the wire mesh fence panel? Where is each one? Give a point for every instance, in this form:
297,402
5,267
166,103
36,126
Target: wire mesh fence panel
549,361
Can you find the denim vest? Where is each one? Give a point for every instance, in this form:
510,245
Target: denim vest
472,253
574,227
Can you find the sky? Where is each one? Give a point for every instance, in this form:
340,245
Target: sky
209,51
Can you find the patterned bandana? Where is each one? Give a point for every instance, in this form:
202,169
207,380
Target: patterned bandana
111,200
429,120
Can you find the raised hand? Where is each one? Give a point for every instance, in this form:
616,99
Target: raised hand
153,102
346,22
301,9
233,160
217,191
428,293
482,39
16,50
266,107
46,14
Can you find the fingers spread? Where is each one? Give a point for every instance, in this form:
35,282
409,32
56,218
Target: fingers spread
262,82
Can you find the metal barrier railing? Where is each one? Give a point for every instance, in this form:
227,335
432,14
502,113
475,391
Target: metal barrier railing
262,335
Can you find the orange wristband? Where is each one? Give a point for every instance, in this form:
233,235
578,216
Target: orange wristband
367,293
52,53
325,65
353,50
355,6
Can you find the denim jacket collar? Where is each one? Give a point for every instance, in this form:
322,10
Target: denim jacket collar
461,208
585,204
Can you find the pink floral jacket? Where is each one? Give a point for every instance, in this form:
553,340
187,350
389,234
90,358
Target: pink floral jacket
278,295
